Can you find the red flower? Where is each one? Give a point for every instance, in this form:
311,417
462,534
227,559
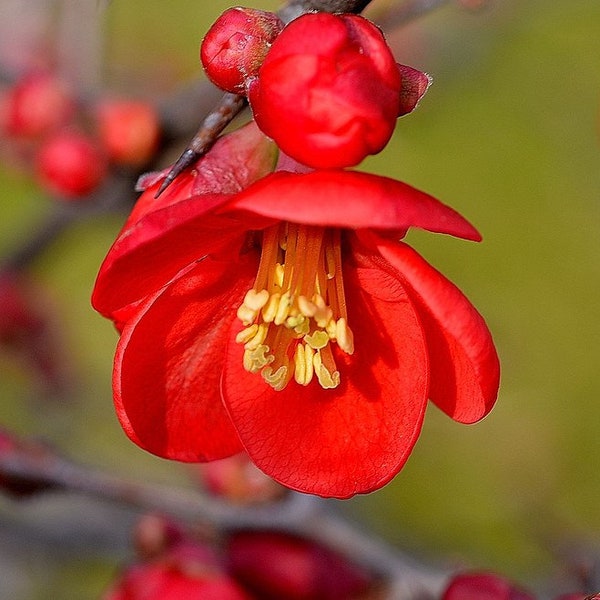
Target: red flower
300,279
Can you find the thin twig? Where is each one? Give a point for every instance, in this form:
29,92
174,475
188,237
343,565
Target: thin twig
229,106
114,196
408,11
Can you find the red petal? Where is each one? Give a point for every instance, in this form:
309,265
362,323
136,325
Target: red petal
148,254
465,370
169,362
352,439
351,199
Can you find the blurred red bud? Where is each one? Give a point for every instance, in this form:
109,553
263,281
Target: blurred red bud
129,131
154,534
483,586
70,165
172,566
238,480
276,565
37,105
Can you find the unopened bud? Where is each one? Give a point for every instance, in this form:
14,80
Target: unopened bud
484,586
329,90
236,45
279,565
129,131
70,165
37,105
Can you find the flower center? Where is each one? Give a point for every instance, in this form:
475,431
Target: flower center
297,308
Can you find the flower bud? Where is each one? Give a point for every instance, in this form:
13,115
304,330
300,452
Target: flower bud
37,105
483,586
329,90
70,165
129,131
238,480
181,569
236,45
276,565
154,534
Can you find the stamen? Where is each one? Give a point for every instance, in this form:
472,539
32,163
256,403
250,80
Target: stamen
303,362
296,309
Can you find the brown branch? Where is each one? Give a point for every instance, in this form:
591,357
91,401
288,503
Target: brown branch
36,466
114,196
408,11
229,106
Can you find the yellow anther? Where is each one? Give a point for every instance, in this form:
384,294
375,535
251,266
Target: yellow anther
270,309
247,334
331,329
344,336
317,340
323,317
256,300
283,309
306,307
303,361
327,380
258,338
294,320
257,358
246,315
303,327
278,275
277,380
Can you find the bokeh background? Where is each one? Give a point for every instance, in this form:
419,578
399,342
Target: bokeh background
508,134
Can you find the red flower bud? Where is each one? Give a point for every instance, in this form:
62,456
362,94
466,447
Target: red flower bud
129,131
277,565
236,45
329,90
154,534
483,586
70,165
238,480
187,571
36,106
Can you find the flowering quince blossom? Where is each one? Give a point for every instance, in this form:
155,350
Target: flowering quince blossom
344,97
285,318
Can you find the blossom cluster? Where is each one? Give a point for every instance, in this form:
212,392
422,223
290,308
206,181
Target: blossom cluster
266,301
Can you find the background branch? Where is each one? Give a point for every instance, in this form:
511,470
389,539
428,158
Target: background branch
34,466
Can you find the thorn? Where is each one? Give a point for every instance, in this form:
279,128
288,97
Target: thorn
186,159
213,125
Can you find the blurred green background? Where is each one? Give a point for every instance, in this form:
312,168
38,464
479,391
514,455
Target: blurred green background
508,135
